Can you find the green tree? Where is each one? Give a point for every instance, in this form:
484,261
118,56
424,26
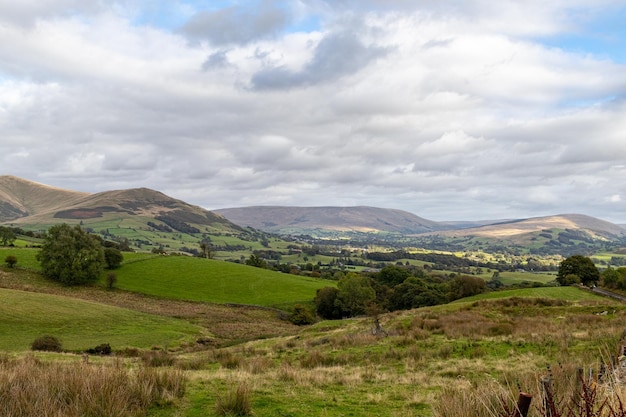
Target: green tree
10,260
325,303
465,286
256,261
7,237
355,293
392,275
70,255
578,265
113,258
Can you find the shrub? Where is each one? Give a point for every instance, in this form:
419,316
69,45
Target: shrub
10,261
111,279
47,343
103,349
235,402
301,316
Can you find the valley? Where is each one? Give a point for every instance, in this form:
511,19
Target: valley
432,319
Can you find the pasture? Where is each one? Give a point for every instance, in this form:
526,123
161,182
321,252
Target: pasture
83,324
197,279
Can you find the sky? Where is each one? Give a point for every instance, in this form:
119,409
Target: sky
448,109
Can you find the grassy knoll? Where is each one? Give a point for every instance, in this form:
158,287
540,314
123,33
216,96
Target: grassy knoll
196,279
82,324
340,369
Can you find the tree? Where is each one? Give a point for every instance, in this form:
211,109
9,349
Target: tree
70,255
355,293
325,303
206,249
7,237
111,279
578,265
113,258
10,260
392,275
465,286
255,261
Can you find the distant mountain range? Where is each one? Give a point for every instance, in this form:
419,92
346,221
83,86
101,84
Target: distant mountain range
27,203
290,220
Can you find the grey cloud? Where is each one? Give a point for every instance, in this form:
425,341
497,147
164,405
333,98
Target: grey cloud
337,55
26,13
216,60
236,24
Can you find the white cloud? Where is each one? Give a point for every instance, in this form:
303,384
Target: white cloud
449,109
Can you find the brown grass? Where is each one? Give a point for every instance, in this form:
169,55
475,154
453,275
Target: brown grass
29,387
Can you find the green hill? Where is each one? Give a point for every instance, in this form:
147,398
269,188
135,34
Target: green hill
198,279
82,324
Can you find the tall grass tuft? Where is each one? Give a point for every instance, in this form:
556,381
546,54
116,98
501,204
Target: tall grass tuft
236,402
30,388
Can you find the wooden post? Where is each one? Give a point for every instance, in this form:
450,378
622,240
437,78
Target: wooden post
523,404
578,386
546,394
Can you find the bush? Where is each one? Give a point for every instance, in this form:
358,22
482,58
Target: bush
111,279
47,344
10,261
103,349
301,316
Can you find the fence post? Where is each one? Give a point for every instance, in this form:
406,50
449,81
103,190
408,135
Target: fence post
523,404
547,397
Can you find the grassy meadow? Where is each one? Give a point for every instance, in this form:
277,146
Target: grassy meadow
208,280
81,324
212,359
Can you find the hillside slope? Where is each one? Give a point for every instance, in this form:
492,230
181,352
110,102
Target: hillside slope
21,198
595,227
280,219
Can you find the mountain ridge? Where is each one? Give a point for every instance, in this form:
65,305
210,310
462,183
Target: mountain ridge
28,203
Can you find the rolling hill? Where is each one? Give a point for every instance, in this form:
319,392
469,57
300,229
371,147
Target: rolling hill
595,228
145,218
302,220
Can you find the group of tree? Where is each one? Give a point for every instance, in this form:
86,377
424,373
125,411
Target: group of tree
393,288
578,269
72,256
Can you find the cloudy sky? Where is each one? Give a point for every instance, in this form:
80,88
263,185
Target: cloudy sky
449,109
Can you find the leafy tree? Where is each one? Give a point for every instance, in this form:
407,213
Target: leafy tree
465,286
7,237
256,261
610,277
355,293
206,249
392,275
325,303
10,260
113,258
578,265
71,255
111,279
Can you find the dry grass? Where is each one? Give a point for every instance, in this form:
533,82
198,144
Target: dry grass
29,387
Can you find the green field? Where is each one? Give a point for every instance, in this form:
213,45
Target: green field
80,325
197,279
